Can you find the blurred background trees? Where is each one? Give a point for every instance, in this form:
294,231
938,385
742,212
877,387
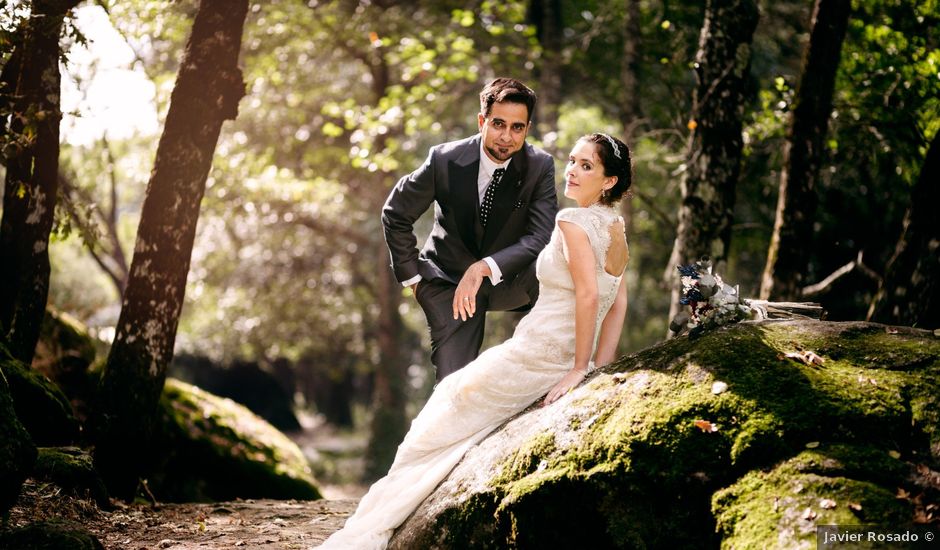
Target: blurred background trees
289,271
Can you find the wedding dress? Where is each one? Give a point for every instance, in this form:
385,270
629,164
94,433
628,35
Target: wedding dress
505,379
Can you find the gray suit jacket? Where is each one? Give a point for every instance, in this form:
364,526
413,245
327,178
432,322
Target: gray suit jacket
520,225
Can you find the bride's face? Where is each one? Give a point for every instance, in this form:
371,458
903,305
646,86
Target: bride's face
584,175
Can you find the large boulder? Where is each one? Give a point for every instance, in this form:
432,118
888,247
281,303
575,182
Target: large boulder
65,349
40,405
71,469
728,440
245,382
64,354
211,448
17,452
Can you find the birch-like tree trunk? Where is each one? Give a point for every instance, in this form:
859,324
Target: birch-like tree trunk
789,249
32,177
722,67
910,290
207,91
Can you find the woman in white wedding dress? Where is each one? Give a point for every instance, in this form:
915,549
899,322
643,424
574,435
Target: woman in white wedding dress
575,323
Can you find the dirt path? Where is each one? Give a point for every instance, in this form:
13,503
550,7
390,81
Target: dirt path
266,524
260,524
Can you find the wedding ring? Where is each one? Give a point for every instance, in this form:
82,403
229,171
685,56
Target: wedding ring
465,299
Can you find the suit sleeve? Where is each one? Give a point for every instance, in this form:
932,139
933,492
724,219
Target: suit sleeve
409,199
543,207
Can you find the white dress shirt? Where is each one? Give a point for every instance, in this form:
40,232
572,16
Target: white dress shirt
484,175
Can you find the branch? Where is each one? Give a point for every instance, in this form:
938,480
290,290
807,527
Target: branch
822,286
118,274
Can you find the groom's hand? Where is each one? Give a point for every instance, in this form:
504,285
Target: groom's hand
465,297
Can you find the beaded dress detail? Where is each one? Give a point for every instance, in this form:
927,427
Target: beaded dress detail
505,379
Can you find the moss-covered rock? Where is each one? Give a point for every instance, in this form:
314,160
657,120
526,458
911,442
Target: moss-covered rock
40,404
64,354
65,348
212,448
50,535
635,456
830,485
73,470
17,452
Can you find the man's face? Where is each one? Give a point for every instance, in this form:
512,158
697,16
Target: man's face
504,131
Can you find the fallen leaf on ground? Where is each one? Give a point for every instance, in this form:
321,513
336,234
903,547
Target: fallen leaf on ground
719,387
891,330
706,426
812,445
827,504
855,506
809,514
894,454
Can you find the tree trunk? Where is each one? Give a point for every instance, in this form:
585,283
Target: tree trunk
546,15
722,65
389,423
31,179
8,77
389,420
629,78
208,89
910,291
630,115
796,202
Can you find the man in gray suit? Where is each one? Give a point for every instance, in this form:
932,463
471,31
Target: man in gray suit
494,210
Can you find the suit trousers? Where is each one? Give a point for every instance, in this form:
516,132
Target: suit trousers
455,342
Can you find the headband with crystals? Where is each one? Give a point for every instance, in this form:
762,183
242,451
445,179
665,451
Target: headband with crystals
613,144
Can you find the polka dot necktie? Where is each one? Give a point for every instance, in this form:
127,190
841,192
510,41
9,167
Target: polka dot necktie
488,195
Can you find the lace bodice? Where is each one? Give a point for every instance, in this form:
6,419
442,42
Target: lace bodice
551,321
468,404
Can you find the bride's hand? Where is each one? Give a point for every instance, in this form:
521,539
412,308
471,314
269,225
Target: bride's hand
565,385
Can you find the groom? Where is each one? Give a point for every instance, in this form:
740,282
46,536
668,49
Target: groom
494,209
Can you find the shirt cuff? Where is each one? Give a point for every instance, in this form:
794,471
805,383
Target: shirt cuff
496,276
411,281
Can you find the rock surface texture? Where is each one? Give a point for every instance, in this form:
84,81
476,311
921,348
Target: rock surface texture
747,437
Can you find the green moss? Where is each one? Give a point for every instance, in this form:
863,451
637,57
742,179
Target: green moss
17,452
635,470
71,469
215,440
40,405
839,485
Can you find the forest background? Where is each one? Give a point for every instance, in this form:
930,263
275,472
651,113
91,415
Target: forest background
289,269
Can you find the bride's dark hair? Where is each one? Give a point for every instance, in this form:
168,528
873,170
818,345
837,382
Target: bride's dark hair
615,156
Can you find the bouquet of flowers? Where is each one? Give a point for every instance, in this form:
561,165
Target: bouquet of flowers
712,303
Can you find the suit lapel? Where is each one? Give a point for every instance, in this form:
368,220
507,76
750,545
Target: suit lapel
462,180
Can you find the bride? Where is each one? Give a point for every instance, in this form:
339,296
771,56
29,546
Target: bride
579,313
